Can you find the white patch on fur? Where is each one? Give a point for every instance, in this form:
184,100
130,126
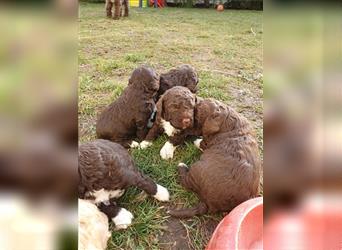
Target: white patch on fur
134,144
152,117
103,195
167,151
145,144
123,219
197,143
168,128
162,194
182,165
93,228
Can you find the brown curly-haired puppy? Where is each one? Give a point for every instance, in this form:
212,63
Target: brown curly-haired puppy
117,8
127,117
106,170
184,75
228,171
175,112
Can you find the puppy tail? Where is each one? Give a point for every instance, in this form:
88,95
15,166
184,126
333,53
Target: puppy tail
200,209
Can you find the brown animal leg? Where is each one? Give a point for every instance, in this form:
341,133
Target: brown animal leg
183,176
154,132
126,7
117,9
142,129
109,6
145,183
200,209
111,209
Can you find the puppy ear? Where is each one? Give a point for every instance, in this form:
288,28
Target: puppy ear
212,124
160,107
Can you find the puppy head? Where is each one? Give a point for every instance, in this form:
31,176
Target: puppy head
184,75
214,122
189,77
177,107
146,79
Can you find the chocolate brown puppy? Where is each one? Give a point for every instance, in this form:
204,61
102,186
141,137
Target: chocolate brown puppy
184,75
228,172
106,170
175,112
128,116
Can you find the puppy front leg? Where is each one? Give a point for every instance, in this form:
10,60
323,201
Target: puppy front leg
142,130
150,187
121,217
170,146
154,132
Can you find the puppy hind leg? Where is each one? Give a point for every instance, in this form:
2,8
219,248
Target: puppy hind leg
200,209
183,176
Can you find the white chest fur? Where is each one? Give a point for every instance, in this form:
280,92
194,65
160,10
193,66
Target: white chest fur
168,128
103,195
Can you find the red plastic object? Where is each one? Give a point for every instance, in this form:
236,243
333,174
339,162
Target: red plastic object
160,3
241,228
314,224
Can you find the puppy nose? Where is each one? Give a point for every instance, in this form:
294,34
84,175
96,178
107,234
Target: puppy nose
186,122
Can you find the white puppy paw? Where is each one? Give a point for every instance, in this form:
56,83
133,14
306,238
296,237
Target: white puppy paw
145,144
197,143
134,144
162,194
123,219
167,151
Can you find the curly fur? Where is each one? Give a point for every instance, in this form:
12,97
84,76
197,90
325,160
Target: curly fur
184,75
128,116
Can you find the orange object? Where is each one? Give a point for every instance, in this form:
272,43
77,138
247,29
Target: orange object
220,7
241,228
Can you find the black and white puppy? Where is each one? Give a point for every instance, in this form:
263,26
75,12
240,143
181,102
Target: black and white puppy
106,170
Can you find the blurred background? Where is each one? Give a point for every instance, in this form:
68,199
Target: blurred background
38,125
302,125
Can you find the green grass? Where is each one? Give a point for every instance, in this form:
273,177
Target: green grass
226,54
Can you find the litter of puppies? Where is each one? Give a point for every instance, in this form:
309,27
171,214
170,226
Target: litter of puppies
227,173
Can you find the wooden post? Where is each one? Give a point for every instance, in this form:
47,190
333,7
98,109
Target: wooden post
140,3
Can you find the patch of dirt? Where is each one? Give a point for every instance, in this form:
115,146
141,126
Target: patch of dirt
177,237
